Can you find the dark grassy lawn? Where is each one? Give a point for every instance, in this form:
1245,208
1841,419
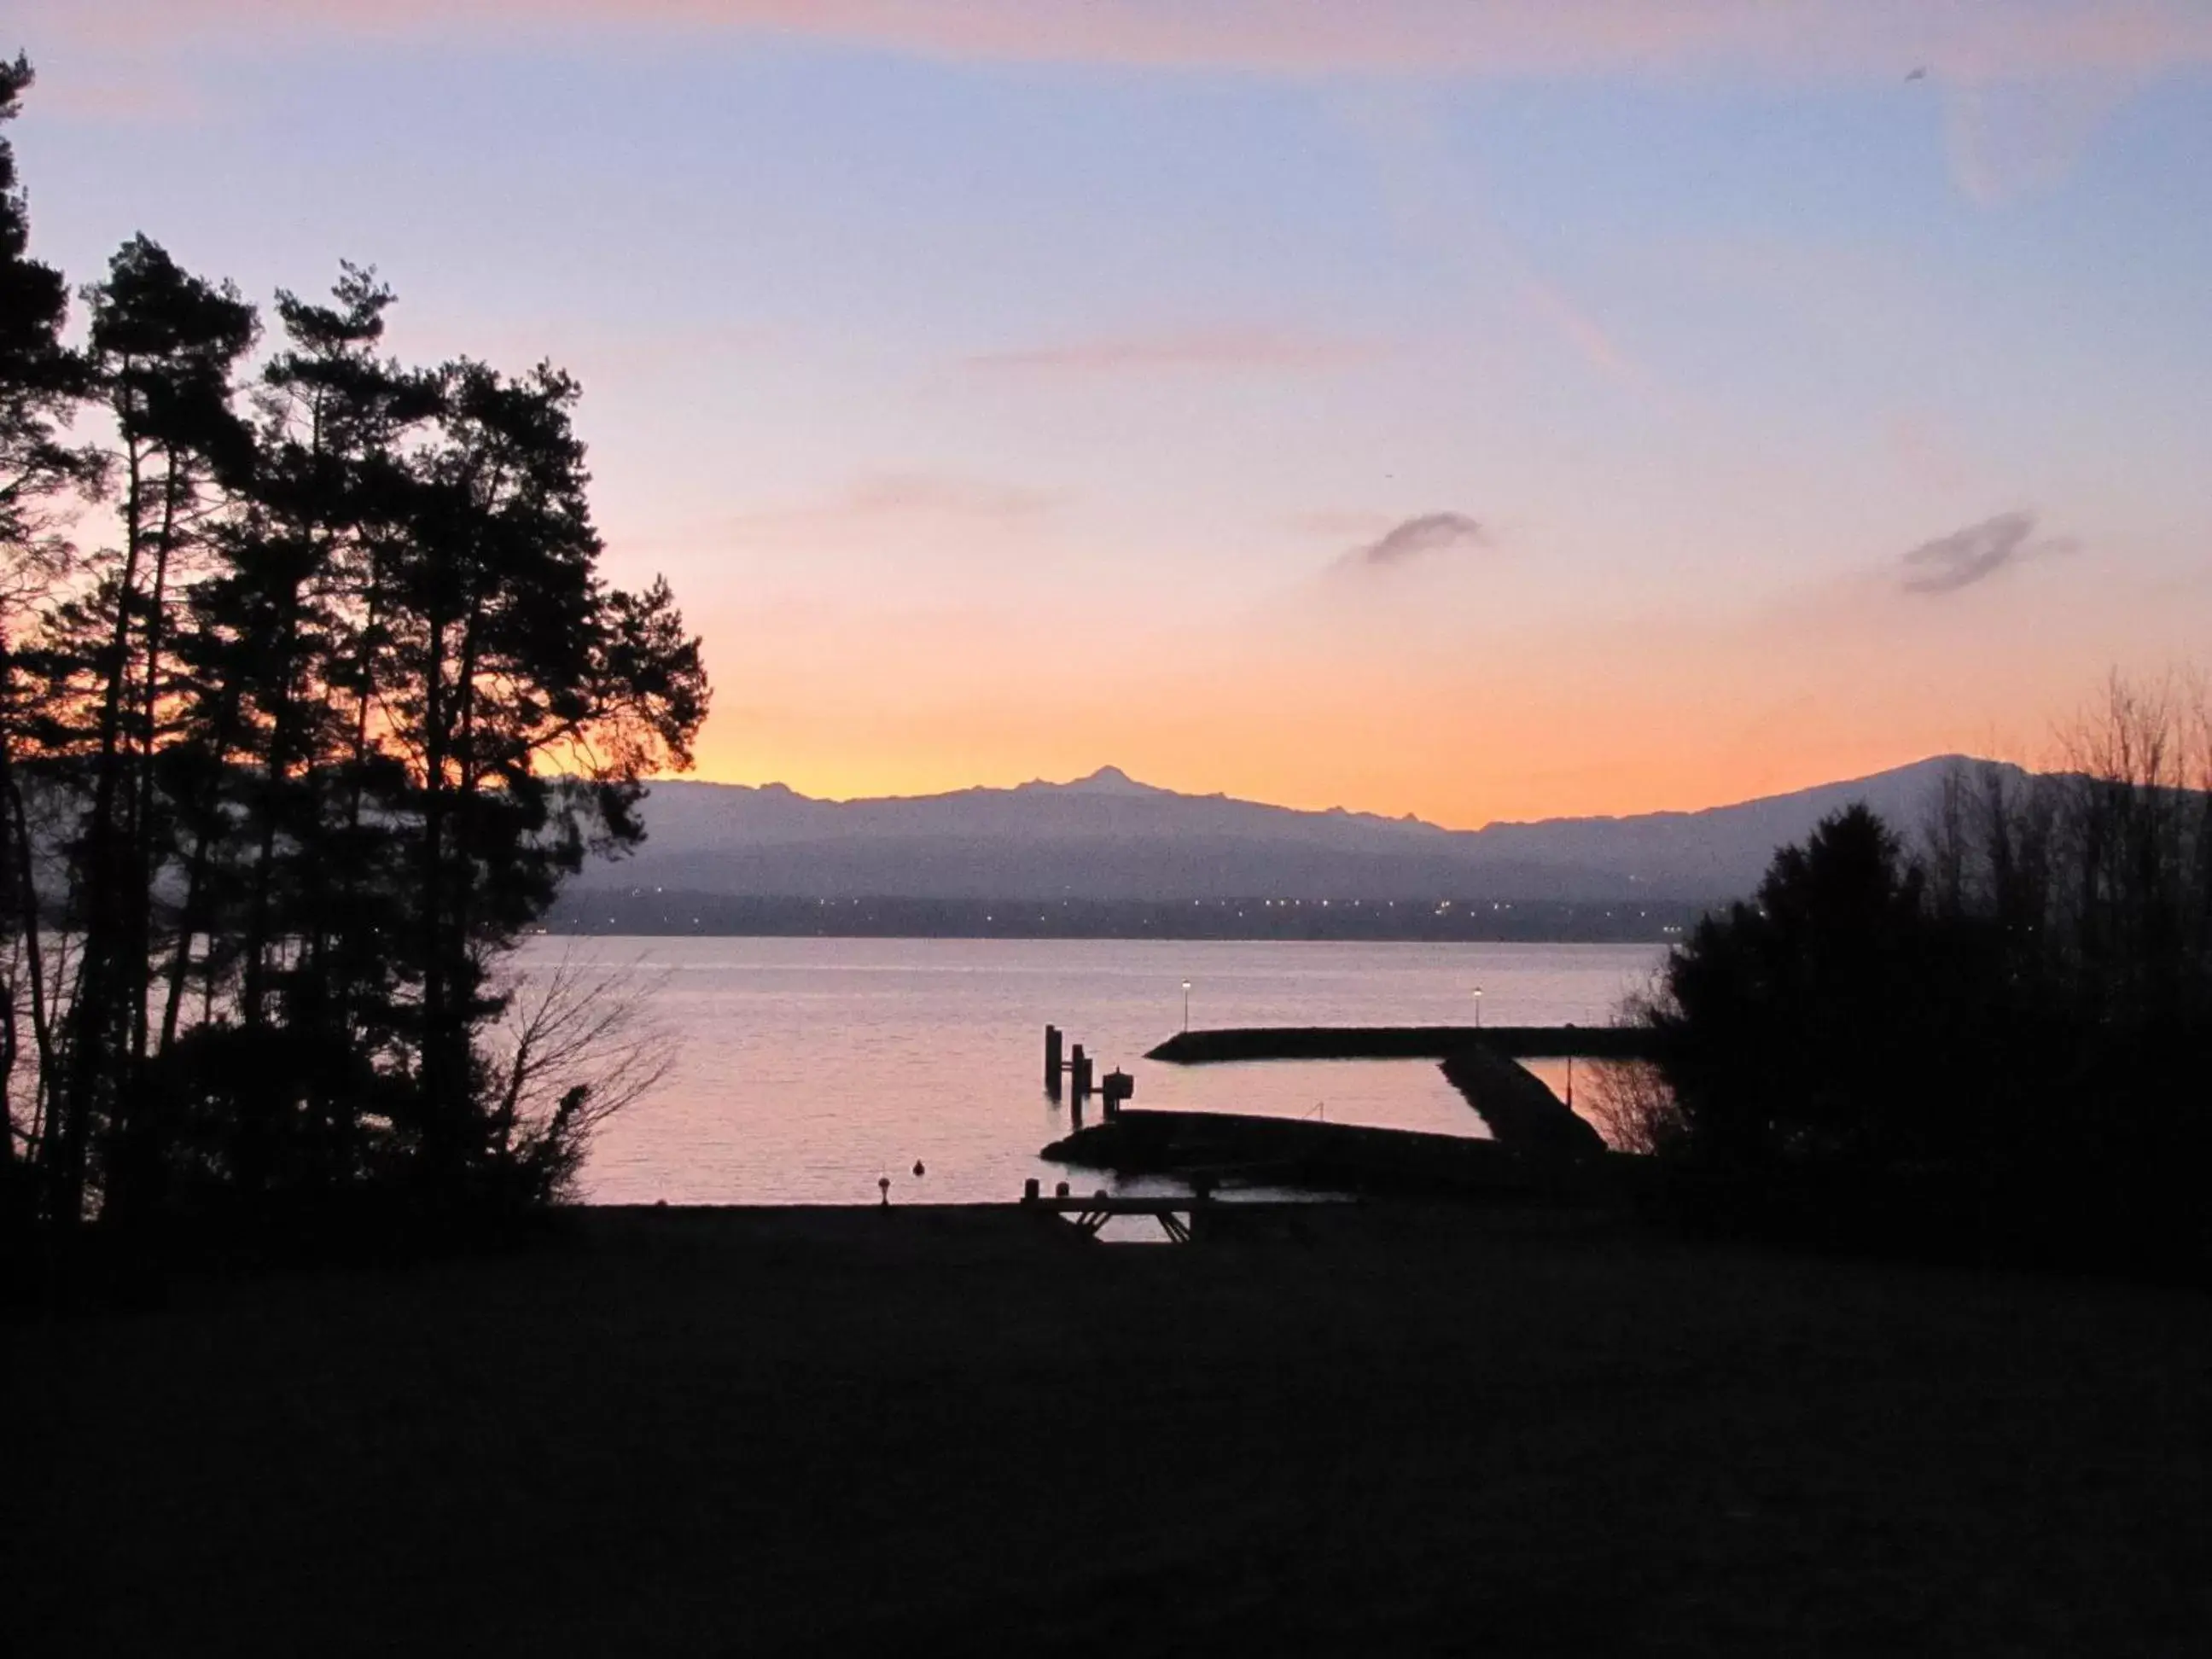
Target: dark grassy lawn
749,1432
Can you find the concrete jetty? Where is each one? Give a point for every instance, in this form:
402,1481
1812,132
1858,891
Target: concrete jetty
1402,1042
1323,1157
1520,1109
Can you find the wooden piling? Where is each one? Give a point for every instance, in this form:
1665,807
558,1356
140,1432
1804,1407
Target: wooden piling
1052,1060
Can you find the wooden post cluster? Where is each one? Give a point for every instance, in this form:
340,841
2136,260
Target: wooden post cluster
1079,1083
1079,1069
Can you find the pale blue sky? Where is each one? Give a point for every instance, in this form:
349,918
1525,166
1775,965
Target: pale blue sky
904,330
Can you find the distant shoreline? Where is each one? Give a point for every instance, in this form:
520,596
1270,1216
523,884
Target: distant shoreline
670,912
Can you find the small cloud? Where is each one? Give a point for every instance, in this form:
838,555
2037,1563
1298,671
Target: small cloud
1204,348
1980,551
1431,532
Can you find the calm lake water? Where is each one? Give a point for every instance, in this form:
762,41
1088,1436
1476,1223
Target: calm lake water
807,1068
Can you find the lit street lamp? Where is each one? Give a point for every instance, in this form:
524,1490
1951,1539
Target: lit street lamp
1478,1007
1186,1005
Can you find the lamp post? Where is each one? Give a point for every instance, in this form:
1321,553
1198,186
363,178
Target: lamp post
1478,1007
1186,1005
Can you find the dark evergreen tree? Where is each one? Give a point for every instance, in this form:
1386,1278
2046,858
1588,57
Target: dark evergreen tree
165,346
280,881
533,701
2001,1049
41,384
289,763
1785,1018
41,380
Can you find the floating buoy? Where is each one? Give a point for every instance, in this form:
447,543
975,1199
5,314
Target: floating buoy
918,1171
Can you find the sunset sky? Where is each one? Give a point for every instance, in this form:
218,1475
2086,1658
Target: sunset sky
1480,410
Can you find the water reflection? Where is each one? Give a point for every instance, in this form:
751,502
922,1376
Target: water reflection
809,1068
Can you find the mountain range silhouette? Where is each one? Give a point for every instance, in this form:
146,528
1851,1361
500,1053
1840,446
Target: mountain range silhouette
1109,836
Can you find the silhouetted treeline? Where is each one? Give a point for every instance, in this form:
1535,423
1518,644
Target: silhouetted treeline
673,910
1999,1040
310,693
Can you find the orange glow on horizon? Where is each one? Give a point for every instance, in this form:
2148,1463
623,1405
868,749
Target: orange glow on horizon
1652,783
1320,705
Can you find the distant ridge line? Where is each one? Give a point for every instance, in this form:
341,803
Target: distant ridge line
1107,838
1110,779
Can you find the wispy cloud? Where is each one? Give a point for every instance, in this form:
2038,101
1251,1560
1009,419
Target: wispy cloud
2015,138
2026,81
1235,349
1924,450
892,493
1584,332
1413,539
882,498
1335,523
629,349
1977,553
1965,40
127,99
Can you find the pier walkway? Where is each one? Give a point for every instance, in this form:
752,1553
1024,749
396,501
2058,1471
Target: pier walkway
1402,1042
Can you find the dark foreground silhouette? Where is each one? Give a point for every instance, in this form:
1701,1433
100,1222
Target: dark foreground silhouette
1994,1047
296,746
1364,1430
1303,1152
